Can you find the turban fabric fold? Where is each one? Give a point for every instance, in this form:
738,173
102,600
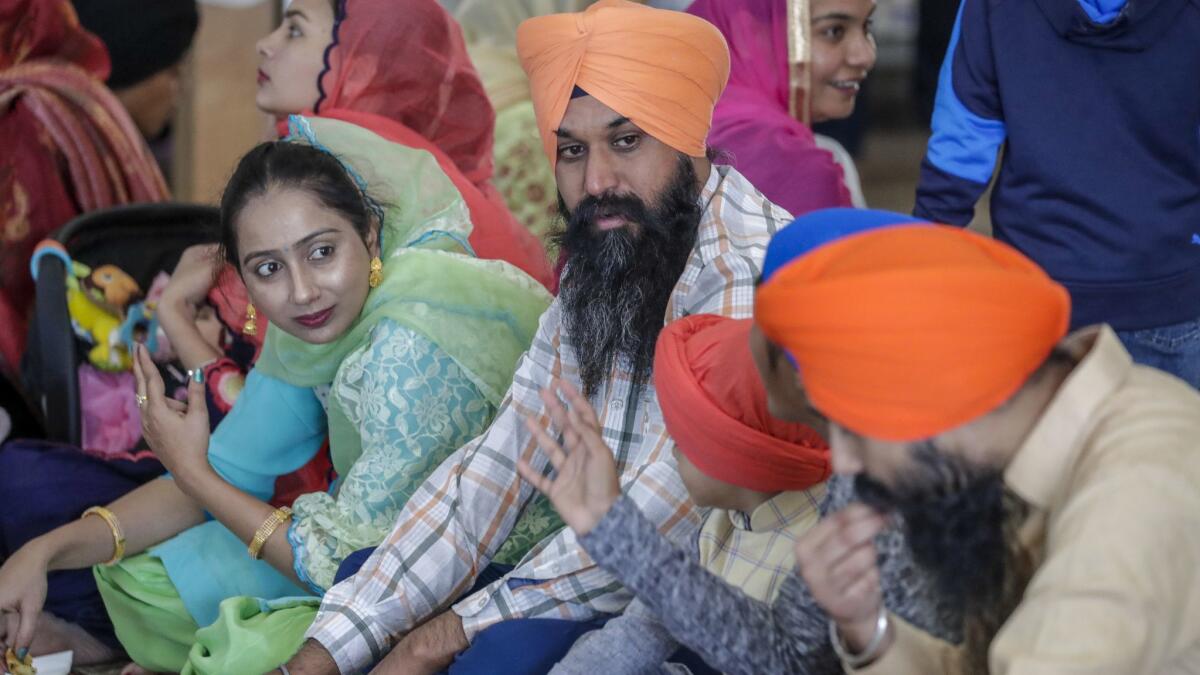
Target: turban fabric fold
818,228
715,408
906,332
663,70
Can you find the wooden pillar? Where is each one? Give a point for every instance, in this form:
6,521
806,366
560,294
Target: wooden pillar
217,121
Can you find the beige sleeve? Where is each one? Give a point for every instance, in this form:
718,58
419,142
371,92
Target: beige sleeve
1119,590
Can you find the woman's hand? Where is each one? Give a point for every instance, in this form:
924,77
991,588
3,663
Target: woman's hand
193,277
177,433
22,596
586,485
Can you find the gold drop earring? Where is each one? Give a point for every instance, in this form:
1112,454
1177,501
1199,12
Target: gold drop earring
376,276
251,327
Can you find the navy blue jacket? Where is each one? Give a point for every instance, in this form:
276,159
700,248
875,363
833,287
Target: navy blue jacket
1099,125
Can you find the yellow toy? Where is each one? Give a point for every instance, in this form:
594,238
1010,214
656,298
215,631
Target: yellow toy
96,301
17,666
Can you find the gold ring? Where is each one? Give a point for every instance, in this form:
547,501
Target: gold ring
141,401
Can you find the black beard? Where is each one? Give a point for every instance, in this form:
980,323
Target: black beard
617,283
954,518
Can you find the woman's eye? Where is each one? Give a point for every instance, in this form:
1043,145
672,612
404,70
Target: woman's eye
834,32
321,252
294,31
266,269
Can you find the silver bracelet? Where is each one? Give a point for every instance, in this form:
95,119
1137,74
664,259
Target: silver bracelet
283,669
870,652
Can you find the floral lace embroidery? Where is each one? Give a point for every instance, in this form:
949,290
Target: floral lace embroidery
413,407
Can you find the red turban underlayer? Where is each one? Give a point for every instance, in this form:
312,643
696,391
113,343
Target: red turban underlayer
715,408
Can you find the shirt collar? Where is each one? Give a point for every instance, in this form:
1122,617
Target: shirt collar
714,184
779,511
1039,468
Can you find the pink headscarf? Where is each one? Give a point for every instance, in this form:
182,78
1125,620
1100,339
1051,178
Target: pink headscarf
407,61
774,150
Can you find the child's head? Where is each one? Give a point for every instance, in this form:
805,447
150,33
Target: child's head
732,452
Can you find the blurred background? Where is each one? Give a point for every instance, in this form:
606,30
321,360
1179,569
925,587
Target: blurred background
886,135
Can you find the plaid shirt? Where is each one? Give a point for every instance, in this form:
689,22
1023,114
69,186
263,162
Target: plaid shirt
457,520
754,551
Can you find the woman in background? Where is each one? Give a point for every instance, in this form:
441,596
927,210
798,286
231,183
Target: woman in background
400,69
69,144
762,122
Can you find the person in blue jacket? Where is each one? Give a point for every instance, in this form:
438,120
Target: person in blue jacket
1093,108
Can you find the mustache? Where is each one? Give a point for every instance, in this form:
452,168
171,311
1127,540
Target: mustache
627,207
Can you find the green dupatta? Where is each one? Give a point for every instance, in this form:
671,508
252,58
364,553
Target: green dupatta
482,313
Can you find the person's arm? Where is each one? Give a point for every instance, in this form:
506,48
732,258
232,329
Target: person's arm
148,515
968,123
431,409
635,642
312,659
185,292
232,473
1118,590
190,345
728,629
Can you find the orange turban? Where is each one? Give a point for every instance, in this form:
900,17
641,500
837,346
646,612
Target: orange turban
906,332
715,408
663,70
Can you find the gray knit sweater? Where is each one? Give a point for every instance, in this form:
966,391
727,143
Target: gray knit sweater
681,603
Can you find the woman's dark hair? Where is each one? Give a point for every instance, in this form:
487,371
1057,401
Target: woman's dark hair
300,167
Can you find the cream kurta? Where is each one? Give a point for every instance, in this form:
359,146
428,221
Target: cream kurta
1112,471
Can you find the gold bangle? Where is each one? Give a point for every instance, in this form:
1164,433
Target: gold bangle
272,523
114,525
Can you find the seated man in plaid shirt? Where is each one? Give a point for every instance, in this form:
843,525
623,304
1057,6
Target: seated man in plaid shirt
655,232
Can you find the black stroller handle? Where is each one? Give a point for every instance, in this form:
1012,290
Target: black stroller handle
53,361
141,239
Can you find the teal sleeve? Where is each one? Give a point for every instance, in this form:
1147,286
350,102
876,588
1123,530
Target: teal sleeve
412,406
273,429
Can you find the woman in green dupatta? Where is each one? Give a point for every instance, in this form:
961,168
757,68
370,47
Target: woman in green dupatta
387,336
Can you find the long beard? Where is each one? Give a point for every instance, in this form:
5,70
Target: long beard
617,283
961,523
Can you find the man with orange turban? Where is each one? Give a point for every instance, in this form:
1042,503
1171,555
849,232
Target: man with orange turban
654,232
1050,485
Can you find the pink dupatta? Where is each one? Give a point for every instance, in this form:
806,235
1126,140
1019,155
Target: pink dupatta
754,122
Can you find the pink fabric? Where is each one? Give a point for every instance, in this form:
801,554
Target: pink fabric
751,123
407,61
111,423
